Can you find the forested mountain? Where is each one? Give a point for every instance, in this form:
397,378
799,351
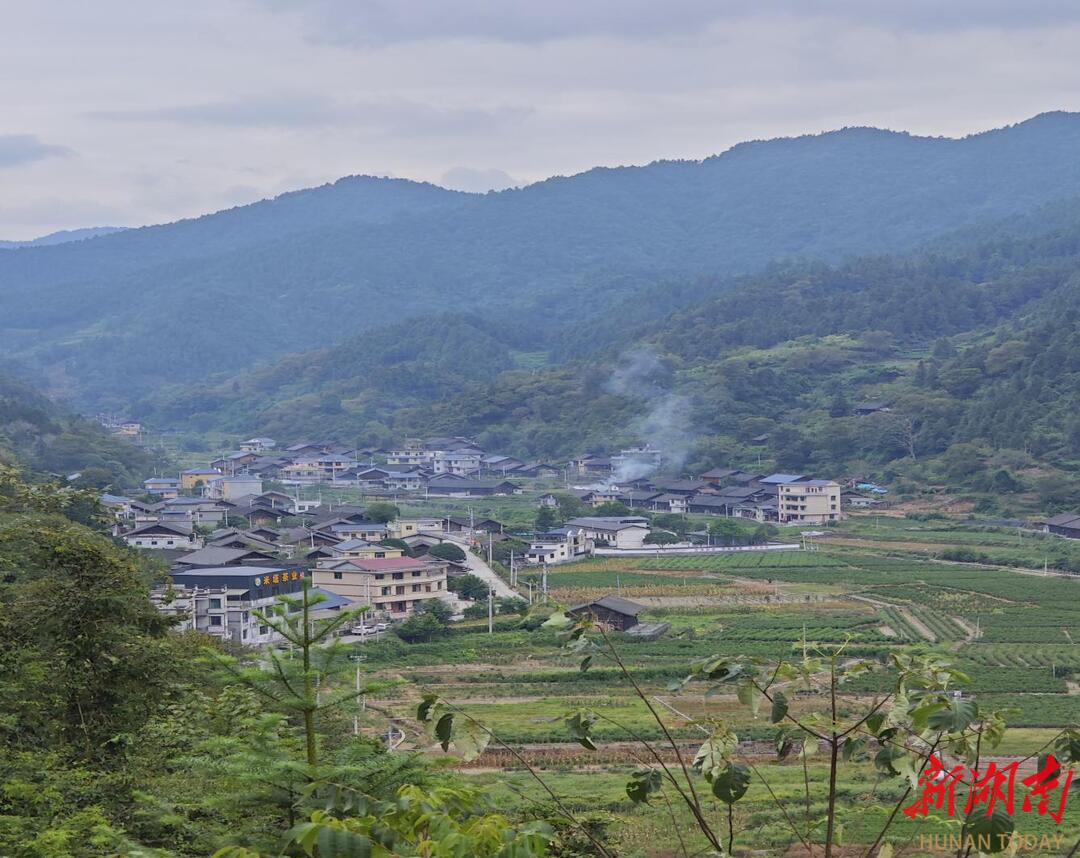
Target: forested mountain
62,236
43,438
972,341
106,321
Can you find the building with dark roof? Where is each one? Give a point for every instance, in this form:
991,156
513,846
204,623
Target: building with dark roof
613,612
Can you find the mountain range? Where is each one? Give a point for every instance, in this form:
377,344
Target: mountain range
555,269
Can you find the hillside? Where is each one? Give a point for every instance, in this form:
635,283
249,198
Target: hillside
972,341
42,438
62,236
105,321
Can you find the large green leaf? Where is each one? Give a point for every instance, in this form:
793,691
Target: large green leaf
779,707
580,725
712,756
444,730
958,714
731,784
644,783
990,833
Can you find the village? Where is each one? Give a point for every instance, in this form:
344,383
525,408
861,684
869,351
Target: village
253,523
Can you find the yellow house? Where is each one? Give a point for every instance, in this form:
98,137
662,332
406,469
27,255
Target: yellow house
191,478
403,527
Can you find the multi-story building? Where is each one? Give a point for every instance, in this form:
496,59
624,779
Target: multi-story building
228,488
559,546
222,601
197,478
161,535
395,585
809,502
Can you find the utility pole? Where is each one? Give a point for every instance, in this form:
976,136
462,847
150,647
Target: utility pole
491,540
491,610
544,584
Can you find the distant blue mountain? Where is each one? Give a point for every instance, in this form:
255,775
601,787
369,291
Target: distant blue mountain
117,317
63,236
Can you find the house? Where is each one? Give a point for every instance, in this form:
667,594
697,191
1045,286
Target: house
855,500
613,612
670,502
160,535
500,464
559,546
450,524
592,466
222,600
547,500
395,585
305,449
535,470
400,478
640,498
873,406
1065,524
809,502
213,555
637,461
228,488
402,528
460,488
194,510
410,453
464,463
197,478
363,549
257,445
371,531
162,487
233,463
719,476
119,505
613,531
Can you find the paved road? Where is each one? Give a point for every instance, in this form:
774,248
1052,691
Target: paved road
480,569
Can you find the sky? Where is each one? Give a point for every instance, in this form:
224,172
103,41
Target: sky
119,112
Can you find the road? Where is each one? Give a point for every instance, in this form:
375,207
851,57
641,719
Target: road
481,570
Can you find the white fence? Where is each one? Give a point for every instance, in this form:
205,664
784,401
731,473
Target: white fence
657,550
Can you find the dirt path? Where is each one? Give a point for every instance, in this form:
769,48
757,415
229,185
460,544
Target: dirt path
911,619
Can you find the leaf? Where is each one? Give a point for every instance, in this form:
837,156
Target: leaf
991,833
642,784
957,715
1067,747
779,707
423,711
340,843
712,756
885,851
874,724
731,784
809,746
884,759
470,741
853,749
585,662
783,745
580,725
557,621
749,696
444,730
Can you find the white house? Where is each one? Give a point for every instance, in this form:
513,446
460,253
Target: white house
559,546
160,535
228,488
614,531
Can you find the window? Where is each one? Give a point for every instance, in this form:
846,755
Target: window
263,630
416,574
416,588
153,542
215,604
215,620
386,591
399,590
337,576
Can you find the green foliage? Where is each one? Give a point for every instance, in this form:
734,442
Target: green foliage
447,551
468,586
420,627
382,512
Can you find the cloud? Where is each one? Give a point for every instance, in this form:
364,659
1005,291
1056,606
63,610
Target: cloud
384,116
16,149
382,22
477,181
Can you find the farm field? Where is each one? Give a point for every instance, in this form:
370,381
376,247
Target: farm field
1011,633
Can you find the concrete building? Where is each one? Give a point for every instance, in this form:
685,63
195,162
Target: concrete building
220,601
560,545
163,487
161,535
230,488
196,478
394,585
809,502
613,531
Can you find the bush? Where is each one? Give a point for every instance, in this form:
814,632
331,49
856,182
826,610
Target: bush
447,551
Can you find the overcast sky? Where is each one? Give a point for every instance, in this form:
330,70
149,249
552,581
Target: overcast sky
123,112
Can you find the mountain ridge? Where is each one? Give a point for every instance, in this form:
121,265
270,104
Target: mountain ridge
246,285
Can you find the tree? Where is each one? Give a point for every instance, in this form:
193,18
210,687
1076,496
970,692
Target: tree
680,524
382,512
468,586
447,551
436,608
839,406
660,537
570,506
513,605
420,627
400,544
546,518
612,508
